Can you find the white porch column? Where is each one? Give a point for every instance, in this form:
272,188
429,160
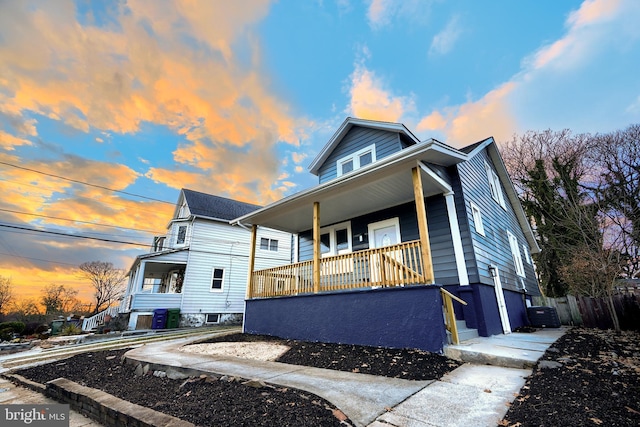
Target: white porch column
458,251
140,277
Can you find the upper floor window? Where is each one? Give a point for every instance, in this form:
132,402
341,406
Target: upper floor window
477,219
517,255
494,185
357,160
182,235
269,244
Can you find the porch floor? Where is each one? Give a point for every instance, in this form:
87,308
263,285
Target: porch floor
514,350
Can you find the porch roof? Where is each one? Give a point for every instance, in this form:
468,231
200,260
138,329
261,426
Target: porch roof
377,186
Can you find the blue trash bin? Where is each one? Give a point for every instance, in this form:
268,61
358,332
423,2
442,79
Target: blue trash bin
159,318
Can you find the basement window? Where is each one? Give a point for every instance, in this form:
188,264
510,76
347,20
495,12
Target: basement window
213,318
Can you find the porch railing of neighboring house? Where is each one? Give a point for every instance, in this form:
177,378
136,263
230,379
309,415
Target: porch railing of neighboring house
91,323
396,265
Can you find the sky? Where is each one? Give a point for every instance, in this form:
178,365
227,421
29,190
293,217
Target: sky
109,108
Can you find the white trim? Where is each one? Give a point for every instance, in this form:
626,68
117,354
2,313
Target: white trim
224,274
516,254
458,250
502,304
331,230
435,177
476,214
382,224
527,256
494,185
355,159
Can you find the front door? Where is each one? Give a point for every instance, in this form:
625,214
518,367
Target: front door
383,234
502,305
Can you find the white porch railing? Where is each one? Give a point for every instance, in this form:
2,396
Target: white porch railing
92,322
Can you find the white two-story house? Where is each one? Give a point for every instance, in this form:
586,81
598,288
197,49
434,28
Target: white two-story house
200,266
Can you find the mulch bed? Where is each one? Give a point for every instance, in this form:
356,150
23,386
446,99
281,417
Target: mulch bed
226,401
588,377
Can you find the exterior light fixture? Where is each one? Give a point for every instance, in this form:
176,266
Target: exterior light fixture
493,271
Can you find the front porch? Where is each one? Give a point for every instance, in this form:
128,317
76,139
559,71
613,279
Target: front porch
395,265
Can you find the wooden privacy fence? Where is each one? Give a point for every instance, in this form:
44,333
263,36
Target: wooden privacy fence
594,312
396,265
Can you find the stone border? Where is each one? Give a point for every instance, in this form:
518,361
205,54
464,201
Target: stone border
100,406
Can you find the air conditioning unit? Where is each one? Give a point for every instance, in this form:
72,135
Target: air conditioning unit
543,317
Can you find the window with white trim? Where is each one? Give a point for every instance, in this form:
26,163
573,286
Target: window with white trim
477,219
217,279
357,160
335,240
517,255
494,185
527,256
181,237
212,318
268,244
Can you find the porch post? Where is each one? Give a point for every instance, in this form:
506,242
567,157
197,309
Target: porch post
458,251
252,260
316,247
421,209
140,277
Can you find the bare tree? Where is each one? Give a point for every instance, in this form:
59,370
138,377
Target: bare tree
107,282
58,299
549,170
26,310
6,293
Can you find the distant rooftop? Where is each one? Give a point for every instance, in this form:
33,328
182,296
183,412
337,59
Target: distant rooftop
210,206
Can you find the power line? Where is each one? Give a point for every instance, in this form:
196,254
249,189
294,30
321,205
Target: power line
38,259
81,222
75,236
86,183
75,196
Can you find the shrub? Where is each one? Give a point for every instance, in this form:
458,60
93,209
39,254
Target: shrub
33,328
71,329
16,327
6,334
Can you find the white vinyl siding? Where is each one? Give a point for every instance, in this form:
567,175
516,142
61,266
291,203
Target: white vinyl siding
517,255
477,219
356,160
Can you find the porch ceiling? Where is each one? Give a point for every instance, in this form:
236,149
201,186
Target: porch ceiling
157,269
346,198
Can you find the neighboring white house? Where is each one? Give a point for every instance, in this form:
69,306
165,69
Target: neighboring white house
200,266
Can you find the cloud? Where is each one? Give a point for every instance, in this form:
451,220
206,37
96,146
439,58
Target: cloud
444,41
381,13
541,92
369,99
9,142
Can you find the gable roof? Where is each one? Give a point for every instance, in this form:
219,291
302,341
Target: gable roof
346,126
213,207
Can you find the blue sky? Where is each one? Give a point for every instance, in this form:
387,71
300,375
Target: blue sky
236,99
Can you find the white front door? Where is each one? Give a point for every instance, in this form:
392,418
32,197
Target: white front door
502,305
382,234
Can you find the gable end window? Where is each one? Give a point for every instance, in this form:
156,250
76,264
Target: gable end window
269,244
217,280
494,185
517,255
477,219
182,235
357,160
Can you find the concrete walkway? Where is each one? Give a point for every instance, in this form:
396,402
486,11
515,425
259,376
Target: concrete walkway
473,394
